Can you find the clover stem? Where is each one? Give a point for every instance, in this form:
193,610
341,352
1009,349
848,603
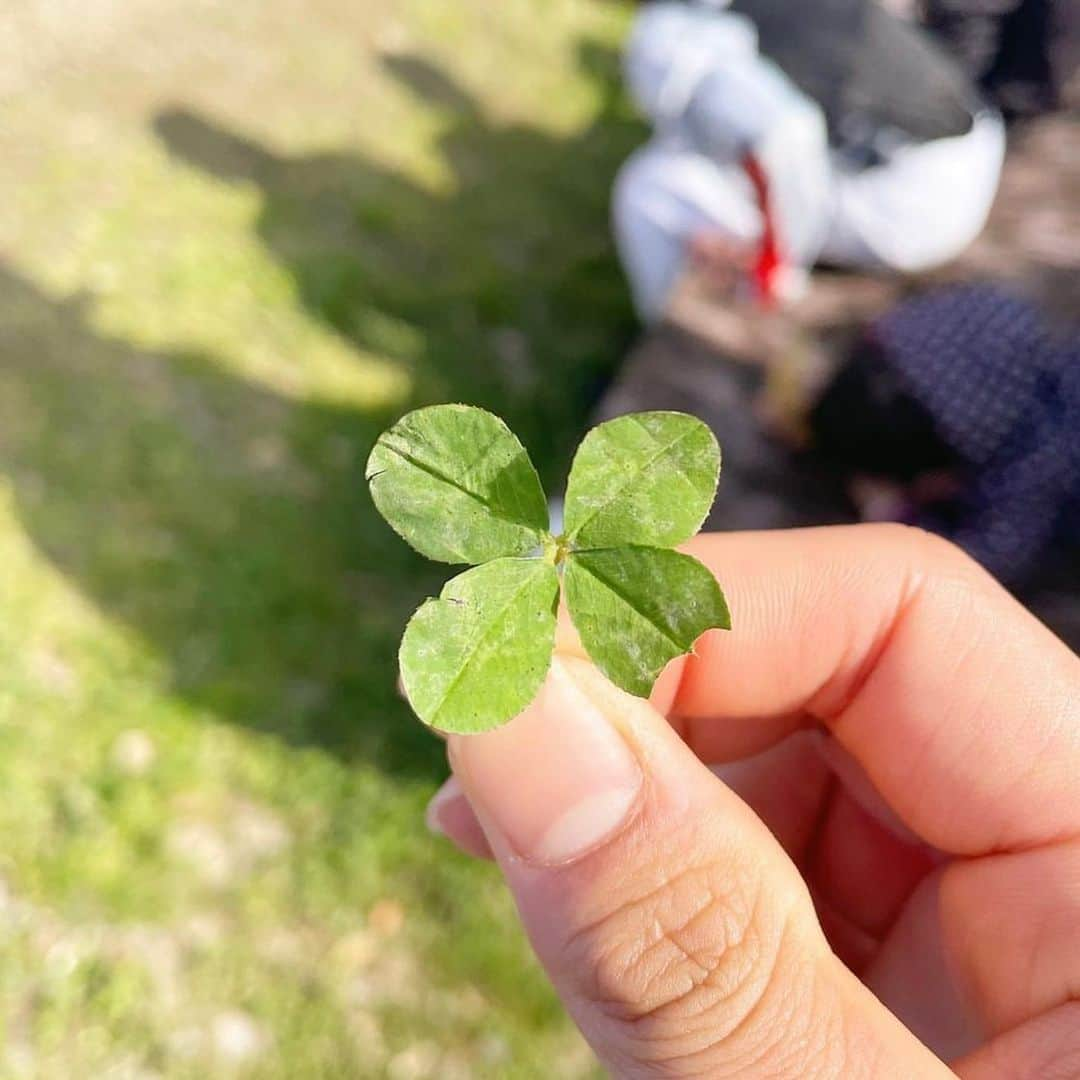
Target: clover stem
556,549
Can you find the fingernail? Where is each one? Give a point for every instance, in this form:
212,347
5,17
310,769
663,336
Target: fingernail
441,803
559,779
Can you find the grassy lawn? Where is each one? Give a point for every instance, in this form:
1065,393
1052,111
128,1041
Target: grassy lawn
236,239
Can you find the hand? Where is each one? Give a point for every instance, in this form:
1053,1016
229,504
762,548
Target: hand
722,261
886,874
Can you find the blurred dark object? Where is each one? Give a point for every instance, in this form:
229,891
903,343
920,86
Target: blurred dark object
975,380
870,71
1023,53
869,420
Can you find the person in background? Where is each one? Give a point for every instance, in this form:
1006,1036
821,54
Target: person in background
960,411
788,134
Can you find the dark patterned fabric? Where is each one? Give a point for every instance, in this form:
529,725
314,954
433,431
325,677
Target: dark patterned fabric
1002,387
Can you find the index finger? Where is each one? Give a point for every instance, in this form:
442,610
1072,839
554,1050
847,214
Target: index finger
961,707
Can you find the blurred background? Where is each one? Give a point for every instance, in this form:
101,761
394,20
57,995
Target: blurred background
236,241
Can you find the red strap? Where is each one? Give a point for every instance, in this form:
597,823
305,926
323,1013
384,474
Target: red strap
769,262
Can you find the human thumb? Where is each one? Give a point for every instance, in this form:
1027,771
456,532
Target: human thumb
673,926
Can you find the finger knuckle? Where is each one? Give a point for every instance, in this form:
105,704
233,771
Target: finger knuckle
692,966
930,550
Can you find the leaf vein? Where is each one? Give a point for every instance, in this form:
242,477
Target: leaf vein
477,644
674,464
628,601
633,478
437,474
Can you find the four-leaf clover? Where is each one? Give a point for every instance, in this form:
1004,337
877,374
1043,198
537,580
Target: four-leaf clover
457,485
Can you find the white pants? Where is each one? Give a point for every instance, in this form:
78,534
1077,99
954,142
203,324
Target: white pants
917,211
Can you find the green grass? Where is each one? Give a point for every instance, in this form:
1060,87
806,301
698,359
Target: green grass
234,246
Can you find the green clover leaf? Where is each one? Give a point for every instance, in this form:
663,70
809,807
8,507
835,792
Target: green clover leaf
455,483
483,648
636,608
646,478
458,486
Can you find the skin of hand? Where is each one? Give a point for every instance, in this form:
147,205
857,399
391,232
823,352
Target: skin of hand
842,840
722,261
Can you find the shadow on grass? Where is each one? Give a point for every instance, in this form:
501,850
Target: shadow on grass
229,526
500,289
225,524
